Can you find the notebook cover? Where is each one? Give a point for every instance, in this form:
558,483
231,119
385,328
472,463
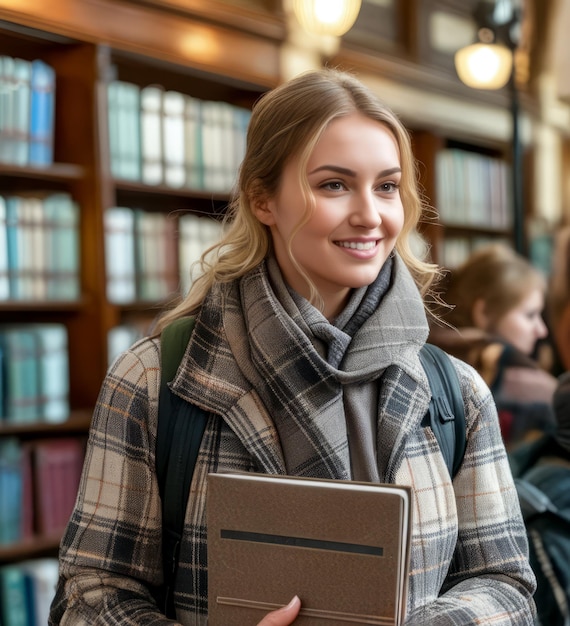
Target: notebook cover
341,546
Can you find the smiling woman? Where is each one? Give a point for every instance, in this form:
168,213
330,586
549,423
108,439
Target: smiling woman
308,323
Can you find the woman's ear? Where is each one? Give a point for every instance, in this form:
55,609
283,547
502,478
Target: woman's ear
479,314
262,209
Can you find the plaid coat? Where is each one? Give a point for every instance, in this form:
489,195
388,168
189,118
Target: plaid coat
469,553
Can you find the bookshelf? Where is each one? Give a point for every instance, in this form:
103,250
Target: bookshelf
226,57
468,183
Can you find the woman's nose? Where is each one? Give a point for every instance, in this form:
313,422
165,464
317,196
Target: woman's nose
365,211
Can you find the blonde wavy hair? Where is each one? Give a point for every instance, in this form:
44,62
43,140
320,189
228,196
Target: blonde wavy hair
289,121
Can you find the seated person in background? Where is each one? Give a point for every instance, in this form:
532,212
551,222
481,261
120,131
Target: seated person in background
497,299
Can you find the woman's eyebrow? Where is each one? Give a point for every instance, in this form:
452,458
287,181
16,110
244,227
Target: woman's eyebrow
348,172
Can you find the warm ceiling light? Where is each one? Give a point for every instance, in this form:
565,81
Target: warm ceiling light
484,66
327,17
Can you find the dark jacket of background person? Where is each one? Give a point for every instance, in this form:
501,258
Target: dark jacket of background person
544,464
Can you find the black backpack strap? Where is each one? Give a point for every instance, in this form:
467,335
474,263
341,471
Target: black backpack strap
446,413
180,429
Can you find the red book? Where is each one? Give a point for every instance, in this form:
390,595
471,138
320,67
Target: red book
57,470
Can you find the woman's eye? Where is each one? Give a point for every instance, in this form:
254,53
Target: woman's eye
389,187
333,185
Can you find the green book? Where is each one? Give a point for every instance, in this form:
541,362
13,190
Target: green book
13,597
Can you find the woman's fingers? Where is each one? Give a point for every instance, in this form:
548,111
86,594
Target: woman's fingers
283,616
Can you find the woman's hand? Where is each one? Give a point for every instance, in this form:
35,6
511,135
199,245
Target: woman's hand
283,616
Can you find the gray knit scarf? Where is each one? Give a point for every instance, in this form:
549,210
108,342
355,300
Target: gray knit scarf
307,372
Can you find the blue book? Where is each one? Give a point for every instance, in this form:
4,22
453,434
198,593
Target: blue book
21,374
4,268
11,491
41,576
42,110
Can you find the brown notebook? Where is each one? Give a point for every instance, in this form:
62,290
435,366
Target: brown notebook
341,546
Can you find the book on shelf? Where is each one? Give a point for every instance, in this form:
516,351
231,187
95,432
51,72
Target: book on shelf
195,235
42,113
21,373
11,490
62,262
152,147
173,147
41,576
123,105
155,255
273,537
120,254
6,63
57,472
35,373
14,110
4,263
14,608
27,528
14,226
212,141
53,363
194,175
33,245
21,111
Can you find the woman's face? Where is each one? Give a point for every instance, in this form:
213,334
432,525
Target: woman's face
523,325
354,174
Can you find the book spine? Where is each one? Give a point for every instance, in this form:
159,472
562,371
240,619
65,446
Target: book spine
42,113
151,134
120,254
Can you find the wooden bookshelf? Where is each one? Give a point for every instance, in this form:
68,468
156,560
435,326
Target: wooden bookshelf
472,197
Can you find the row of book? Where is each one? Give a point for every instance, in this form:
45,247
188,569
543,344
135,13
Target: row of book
163,137
148,255
39,247
34,373
26,591
473,189
27,105
38,486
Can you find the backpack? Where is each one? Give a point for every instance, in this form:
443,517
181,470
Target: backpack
544,495
181,426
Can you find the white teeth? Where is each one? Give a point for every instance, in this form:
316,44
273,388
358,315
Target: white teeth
357,246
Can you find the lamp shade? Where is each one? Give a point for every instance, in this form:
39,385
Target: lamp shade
484,66
327,17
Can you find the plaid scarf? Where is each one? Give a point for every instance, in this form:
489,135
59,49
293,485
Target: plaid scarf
254,335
